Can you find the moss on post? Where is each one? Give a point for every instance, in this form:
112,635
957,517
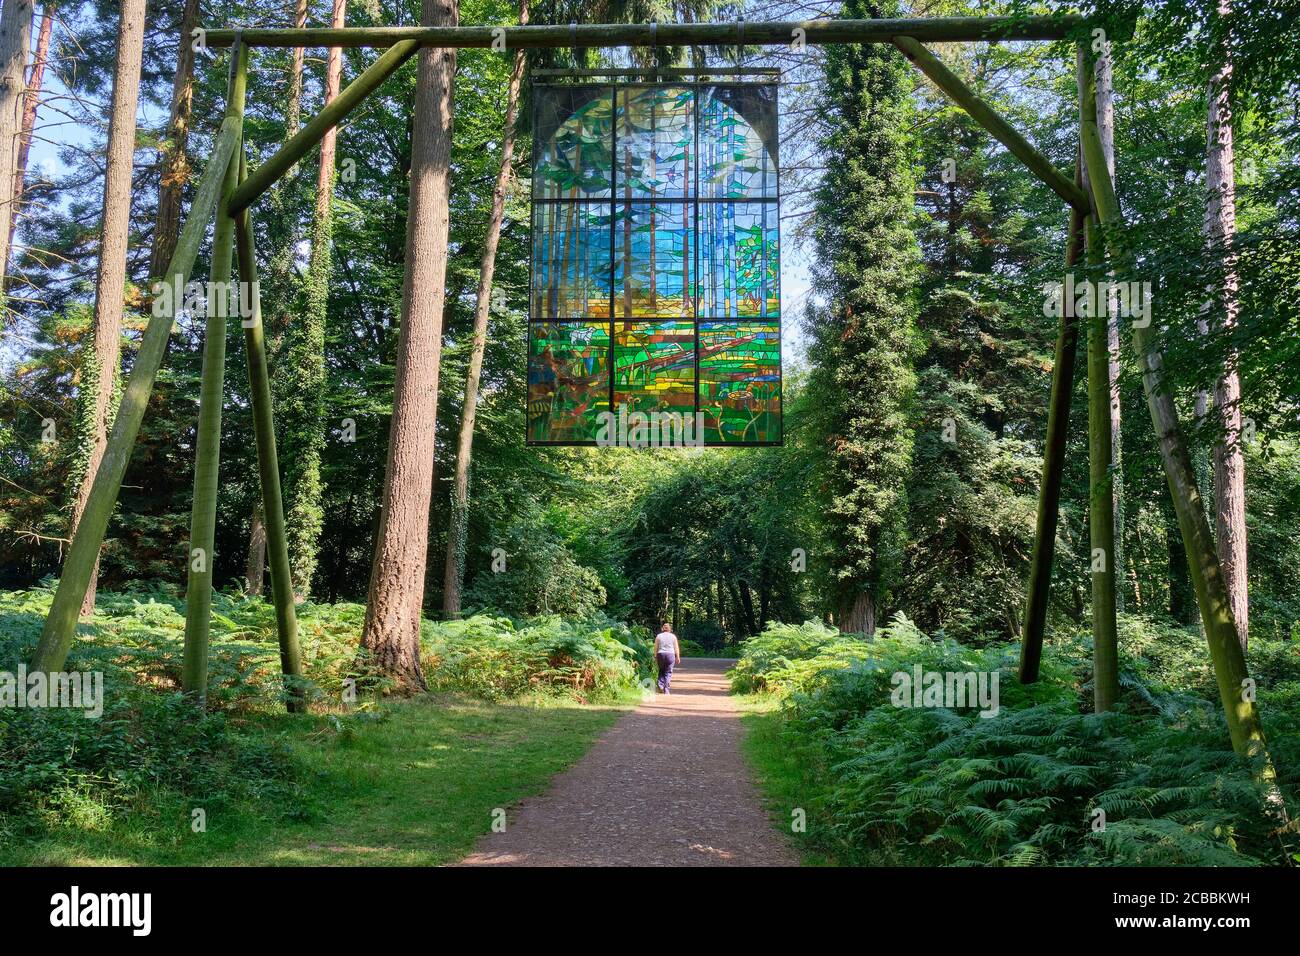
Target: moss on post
1229,661
203,516
1049,488
268,465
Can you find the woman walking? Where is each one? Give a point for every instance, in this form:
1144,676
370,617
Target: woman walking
668,651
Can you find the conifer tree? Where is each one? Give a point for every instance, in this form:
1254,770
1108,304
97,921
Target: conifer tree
863,335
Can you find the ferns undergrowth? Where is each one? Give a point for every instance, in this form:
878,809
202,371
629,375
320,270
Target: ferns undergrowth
150,746
1044,781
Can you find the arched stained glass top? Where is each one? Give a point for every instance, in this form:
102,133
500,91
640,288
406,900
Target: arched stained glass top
655,264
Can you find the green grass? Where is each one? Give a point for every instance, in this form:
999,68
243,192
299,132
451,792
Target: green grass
781,772
415,785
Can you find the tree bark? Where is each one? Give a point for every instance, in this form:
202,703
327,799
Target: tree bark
858,616
175,163
255,567
391,636
110,280
31,100
15,38
1220,236
457,532
293,114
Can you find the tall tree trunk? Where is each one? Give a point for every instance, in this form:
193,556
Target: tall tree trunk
1106,127
391,636
303,346
31,100
1220,235
293,112
858,615
175,162
457,532
255,566
100,367
15,38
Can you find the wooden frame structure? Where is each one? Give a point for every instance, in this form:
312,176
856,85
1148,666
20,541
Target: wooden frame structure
228,190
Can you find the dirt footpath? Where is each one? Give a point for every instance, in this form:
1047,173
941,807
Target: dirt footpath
666,786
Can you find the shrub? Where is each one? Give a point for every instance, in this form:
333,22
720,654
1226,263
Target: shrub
493,658
541,576
707,637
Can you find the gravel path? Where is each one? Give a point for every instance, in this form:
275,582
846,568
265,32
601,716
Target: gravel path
666,786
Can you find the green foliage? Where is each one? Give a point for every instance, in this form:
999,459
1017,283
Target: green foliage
59,767
492,658
153,749
864,339
540,575
942,786
700,636
787,656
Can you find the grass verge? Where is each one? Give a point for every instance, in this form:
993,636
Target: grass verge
414,783
780,772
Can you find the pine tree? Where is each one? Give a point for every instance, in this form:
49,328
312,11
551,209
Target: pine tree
454,570
15,35
100,366
391,636
301,367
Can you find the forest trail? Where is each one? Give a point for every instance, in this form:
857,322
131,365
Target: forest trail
666,786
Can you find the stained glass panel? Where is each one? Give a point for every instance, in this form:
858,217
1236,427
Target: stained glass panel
571,273
740,381
654,367
740,261
574,130
568,380
656,261
738,142
656,142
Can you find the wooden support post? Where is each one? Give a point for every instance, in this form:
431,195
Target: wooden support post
61,623
334,112
1101,500
989,118
1229,661
268,466
1049,488
207,458
752,33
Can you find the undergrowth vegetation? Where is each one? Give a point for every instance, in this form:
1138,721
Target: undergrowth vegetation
1043,780
150,748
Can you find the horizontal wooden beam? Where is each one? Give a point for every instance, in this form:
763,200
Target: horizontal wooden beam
784,33
653,72
329,117
991,120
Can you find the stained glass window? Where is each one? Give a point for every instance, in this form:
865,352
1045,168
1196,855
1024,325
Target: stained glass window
655,266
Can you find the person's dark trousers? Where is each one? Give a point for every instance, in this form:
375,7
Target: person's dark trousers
665,662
